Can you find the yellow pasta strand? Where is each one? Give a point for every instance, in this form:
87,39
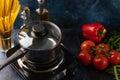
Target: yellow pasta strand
8,14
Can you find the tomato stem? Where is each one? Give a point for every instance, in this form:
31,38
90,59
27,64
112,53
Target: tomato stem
106,53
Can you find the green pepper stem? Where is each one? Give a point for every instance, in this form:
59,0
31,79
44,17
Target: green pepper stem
102,32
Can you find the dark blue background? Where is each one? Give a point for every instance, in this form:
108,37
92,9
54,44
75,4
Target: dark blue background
74,13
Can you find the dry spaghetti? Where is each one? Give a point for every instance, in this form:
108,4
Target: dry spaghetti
8,14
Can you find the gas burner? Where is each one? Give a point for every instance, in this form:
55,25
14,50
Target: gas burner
28,65
64,66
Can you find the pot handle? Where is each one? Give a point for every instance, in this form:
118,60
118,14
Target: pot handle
18,54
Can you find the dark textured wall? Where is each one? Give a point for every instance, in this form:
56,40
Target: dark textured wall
74,13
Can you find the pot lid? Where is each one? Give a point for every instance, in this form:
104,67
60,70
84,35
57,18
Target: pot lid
43,35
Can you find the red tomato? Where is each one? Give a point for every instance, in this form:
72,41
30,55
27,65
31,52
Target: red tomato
85,58
87,45
100,62
114,58
102,49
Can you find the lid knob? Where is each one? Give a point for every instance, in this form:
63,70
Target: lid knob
41,1
38,31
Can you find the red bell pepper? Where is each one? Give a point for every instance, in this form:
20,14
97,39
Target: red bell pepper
94,31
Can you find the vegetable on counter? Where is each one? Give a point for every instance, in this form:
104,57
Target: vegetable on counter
87,45
113,40
103,50
99,55
94,31
115,71
100,62
85,56
114,58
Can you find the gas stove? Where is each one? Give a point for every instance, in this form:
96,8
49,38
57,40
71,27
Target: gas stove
62,67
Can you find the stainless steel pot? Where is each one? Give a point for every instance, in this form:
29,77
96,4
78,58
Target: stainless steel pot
39,41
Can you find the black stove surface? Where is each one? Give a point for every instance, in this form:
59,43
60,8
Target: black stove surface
64,70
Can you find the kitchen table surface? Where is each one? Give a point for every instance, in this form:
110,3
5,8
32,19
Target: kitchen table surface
8,73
